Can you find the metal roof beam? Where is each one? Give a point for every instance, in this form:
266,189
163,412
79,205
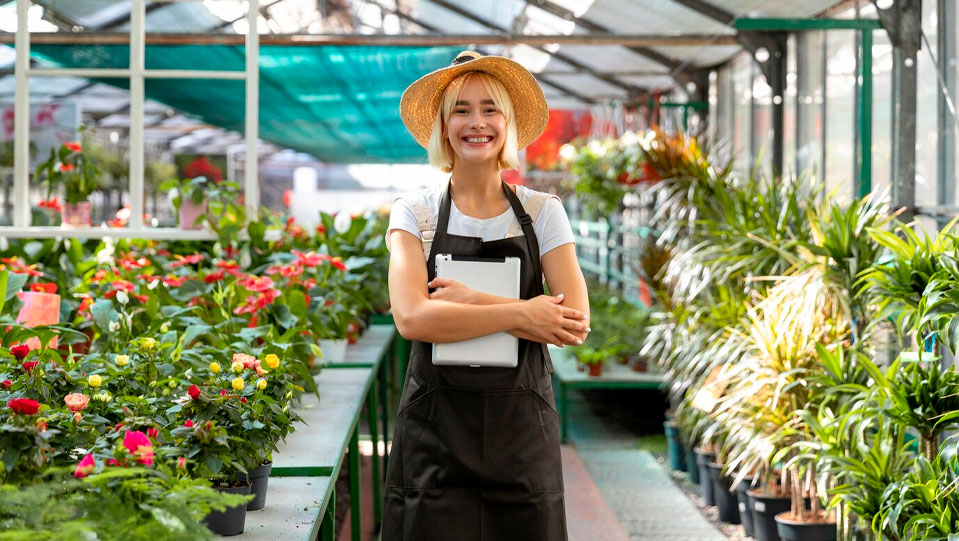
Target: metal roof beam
543,80
680,72
709,10
633,90
312,40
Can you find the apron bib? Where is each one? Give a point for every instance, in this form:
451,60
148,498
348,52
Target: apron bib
476,451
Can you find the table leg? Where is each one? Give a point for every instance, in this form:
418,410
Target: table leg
385,415
356,506
328,524
371,418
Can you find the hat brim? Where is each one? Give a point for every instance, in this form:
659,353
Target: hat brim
421,100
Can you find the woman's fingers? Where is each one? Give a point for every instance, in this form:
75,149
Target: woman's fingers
572,313
568,339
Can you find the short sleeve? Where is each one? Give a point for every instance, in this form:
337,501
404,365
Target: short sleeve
402,217
552,227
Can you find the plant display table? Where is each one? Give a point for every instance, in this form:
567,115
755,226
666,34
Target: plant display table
302,484
615,376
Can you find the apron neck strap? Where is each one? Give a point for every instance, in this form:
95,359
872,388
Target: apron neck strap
532,245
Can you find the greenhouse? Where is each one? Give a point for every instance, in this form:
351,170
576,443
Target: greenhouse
479,270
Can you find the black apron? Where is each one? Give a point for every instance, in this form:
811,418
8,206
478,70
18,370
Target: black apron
475,451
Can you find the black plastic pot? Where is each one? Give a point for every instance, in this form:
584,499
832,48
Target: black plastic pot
692,469
764,510
258,479
790,530
706,488
677,455
231,520
745,510
726,502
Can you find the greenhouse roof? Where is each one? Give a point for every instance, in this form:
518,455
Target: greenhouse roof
346,110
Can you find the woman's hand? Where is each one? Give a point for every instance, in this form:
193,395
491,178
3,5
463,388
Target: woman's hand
452,291
550,322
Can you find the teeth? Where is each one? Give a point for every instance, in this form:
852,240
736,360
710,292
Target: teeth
478,139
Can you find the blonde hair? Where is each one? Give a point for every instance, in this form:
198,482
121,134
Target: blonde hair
440,152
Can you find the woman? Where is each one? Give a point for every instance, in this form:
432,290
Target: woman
476,450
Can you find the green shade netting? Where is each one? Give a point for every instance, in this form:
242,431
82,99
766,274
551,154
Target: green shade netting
338,103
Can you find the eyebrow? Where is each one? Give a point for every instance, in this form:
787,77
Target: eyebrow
484,102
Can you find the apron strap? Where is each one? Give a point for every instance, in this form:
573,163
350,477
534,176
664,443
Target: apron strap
532,243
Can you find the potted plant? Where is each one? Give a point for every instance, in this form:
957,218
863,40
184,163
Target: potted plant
69,166
192,197
594,358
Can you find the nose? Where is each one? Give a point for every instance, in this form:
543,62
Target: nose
476,121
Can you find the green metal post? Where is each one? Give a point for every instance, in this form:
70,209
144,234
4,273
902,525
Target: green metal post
385,368
685,119
371,419
865,116
356,506
328,527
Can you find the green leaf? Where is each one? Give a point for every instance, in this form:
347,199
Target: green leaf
103,313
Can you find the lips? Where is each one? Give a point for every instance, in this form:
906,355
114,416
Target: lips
478,139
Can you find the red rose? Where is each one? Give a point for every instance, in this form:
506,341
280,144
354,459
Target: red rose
20,352
153,433
188,423
194,392
243,400
28,365
6,384
24,406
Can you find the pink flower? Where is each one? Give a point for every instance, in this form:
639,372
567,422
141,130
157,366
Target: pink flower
76,401
194,392
140,446
20,352
153,433
181,463
85,467
188,423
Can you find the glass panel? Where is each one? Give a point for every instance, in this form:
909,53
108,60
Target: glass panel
65,112
78,17
841,74
762,139
927,120
789,110
882,111
742,77
809,101
192,128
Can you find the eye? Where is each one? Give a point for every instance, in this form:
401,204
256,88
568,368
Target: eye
491,110
460,111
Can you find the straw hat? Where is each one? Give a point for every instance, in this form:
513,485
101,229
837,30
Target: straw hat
421,100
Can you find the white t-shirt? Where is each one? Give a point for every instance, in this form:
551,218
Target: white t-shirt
551,226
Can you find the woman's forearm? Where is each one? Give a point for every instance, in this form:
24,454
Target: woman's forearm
441,321
487,299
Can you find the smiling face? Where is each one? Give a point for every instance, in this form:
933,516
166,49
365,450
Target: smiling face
476,127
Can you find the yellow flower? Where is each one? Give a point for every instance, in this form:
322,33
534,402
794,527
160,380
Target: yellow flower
94,380
237,367
215,368
238,384
261,384
149,343
122,360
272,361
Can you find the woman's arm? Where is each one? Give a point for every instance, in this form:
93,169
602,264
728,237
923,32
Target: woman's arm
565,277
433,320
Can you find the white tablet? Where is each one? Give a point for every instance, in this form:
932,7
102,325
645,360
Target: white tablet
496,276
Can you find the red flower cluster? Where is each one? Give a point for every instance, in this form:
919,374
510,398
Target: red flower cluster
24,406
265,294
74,146
18,267
174,281
48,287
30,365
201,167
231,267
186,260
53,204
128,287
132,262
66,167
20,352
194,392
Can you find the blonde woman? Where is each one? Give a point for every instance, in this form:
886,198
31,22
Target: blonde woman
476,449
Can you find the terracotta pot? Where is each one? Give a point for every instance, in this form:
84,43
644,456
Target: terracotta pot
580,367
75,215
596,369
39,309
189,213
640,365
